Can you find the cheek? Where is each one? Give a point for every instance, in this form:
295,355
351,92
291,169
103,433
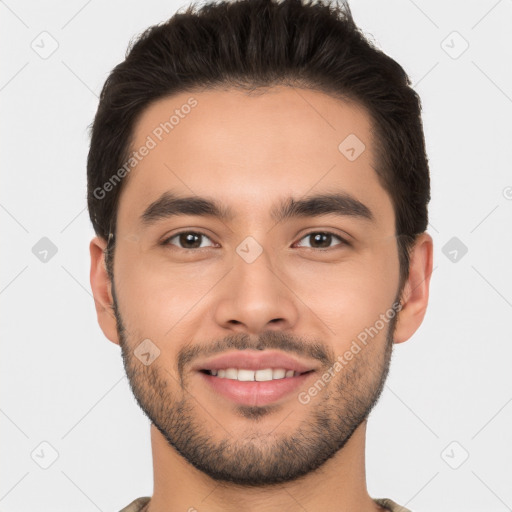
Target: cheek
154,296
351,295
159,298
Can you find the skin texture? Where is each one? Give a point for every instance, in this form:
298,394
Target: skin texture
250,152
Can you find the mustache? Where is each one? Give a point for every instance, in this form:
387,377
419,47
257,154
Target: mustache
266,340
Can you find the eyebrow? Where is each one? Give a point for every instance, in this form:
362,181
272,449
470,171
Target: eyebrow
340,203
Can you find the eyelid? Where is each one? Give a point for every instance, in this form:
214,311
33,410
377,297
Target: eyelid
344,241
165,241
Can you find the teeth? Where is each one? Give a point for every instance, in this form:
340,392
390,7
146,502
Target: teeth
279,373
243,375
232,373
263,375
254,375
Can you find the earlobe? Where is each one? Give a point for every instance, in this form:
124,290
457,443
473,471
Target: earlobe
416,290
101,290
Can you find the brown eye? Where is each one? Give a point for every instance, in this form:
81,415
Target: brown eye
188,240
323,239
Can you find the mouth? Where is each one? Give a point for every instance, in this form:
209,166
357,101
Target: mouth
248,375
255,378
254,387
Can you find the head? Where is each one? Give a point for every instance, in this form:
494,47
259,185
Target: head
301,146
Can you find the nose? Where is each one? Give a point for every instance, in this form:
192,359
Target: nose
255,296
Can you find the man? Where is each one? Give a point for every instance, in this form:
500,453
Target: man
258,184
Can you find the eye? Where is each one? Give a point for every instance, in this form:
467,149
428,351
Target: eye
191,240
188,239
323,239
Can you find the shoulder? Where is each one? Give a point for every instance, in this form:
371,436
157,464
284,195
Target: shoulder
136,505
390,505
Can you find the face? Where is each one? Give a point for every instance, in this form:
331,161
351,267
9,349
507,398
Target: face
280,280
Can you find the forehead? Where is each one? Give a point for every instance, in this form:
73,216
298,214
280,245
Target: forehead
249,150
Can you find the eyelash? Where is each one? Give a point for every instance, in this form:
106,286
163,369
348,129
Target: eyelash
342,240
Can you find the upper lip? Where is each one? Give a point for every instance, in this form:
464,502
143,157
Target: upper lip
254,360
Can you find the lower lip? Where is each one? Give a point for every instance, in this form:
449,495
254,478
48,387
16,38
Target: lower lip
255,392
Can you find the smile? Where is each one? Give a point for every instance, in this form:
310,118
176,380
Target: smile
254,387
246,375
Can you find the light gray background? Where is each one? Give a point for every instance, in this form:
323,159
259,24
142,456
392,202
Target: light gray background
449,392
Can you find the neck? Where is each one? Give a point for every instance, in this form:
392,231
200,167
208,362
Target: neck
339,484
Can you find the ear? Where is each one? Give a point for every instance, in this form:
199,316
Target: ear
416,289
102,290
